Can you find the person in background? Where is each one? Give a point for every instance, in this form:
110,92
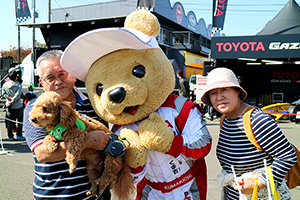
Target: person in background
239,78
184,89
52,177
30,94
12,92
224,93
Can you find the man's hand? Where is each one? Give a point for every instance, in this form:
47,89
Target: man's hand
43,155
97,140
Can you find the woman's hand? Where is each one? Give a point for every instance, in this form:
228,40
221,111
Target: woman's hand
247,185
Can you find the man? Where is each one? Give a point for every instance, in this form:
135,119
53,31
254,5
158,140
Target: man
12,92
184,89
52,178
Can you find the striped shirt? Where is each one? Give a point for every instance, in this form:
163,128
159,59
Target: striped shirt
52,180
234,148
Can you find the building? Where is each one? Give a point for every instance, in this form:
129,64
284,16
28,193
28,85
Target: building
269,61
185,40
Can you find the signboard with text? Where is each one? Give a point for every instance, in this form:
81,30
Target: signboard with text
282,76
200,88
271,46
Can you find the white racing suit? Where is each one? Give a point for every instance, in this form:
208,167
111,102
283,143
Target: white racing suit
181,172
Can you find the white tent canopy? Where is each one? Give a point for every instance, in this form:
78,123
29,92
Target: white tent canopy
28,70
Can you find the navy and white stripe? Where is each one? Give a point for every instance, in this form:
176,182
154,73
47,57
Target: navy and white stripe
234,148
53,180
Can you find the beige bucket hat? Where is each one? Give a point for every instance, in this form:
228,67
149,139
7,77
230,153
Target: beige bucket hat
221,78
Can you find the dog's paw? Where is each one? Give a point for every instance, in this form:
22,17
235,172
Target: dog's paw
52,147
51,143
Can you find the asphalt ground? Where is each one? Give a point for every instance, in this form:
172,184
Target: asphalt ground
17,170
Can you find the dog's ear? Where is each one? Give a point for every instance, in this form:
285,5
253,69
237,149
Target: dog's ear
67,115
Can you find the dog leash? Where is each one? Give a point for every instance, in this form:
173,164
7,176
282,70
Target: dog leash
115,148
98,196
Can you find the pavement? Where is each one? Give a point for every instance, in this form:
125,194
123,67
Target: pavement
17,169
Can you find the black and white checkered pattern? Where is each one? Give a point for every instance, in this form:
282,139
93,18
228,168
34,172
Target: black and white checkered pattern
22,11
22,19
216,30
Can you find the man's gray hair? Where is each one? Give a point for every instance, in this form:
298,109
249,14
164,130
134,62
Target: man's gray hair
45,56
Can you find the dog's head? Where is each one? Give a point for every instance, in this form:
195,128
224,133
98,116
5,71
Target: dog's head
49,110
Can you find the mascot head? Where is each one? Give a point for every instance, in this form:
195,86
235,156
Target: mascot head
126,73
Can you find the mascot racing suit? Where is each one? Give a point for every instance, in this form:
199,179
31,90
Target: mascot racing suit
181,172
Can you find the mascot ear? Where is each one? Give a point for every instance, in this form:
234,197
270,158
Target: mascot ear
67,115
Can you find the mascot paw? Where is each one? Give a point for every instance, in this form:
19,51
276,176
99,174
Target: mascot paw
155,135
136,154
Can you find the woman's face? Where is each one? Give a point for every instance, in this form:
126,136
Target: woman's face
225,100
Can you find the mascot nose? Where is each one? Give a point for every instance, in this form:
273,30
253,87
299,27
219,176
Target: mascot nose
117,95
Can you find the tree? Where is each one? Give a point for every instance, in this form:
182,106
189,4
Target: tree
40,45
13,52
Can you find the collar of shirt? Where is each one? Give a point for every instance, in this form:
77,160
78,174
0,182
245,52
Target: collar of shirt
79,96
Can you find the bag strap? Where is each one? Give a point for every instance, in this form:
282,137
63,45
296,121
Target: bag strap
247,126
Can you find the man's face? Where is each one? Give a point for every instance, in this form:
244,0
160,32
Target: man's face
55,78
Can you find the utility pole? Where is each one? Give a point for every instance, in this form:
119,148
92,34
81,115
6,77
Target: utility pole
49,10
33,34
19,44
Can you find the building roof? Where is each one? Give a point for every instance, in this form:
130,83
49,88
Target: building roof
68,23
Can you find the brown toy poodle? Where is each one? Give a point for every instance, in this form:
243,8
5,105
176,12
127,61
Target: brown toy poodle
49,111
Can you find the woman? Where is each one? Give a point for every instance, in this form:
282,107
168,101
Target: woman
224,93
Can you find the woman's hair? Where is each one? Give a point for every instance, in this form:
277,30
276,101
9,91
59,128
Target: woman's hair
239,90
47,55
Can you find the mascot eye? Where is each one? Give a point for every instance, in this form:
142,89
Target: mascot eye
99,89
139,71
45,109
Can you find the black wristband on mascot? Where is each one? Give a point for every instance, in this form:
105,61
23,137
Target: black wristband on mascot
115,147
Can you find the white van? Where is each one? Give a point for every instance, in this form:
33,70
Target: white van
193,82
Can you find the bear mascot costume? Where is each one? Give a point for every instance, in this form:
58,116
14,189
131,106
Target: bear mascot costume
129,81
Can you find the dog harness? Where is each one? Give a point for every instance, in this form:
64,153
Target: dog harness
59,130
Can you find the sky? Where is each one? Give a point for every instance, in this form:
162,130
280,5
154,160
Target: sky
243,17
